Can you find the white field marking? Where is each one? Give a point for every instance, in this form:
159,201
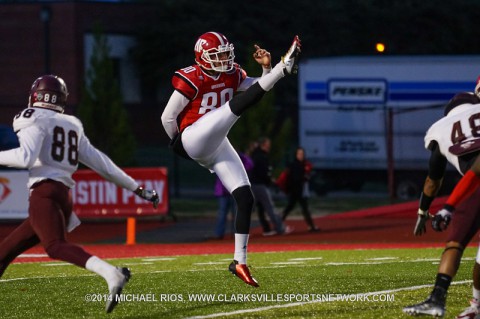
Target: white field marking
210,263
288,263
279,266
382,258
32,256
294,304
159,271
139,263
203,269
304,259
15,279
432,260
354,263
56,264
160,259
45,277
425,260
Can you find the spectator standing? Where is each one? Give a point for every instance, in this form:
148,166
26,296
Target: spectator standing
298,176
261,179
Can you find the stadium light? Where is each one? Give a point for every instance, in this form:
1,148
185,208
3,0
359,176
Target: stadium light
380,47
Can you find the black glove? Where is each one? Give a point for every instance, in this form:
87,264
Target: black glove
420,227
441,220
150,195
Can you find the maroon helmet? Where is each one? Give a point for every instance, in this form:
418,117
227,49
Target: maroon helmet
48,91
214,52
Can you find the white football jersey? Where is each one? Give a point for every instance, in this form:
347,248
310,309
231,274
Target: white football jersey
51,146
461,126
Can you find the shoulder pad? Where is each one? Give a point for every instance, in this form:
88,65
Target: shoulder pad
459,99
25,118
188,80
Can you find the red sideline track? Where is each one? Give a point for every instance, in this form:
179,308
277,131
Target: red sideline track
375,228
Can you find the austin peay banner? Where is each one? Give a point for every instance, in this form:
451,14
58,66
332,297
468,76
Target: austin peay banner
92,195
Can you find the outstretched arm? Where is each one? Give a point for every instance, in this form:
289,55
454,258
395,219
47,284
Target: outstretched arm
104,166
24,156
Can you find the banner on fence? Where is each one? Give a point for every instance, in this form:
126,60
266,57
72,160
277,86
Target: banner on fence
93,196
13,194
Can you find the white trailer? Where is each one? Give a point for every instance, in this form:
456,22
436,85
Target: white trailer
349,105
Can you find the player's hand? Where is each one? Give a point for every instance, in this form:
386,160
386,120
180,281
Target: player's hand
150,195
262,57
420,226
441,220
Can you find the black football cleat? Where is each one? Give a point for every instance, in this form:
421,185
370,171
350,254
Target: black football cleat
433,306
242,272
116,291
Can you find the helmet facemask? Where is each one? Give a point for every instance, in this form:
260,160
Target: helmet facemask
220,59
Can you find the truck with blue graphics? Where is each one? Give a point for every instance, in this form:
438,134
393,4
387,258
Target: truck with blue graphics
363,119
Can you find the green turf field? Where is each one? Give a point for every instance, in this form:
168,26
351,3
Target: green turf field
301,284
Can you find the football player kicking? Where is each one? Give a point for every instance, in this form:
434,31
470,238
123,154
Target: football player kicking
51,146
454,138
202,104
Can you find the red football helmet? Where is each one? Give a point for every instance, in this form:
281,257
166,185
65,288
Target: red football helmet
48,91
214,52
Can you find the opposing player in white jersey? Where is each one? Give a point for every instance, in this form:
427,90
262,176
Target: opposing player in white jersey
456,139
201,112
51,146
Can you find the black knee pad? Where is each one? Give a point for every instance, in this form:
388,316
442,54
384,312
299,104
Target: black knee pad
244,198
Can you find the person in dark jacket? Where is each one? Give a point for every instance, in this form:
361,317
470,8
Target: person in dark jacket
261,178
298,175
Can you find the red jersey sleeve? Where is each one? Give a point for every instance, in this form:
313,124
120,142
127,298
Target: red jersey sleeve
185,81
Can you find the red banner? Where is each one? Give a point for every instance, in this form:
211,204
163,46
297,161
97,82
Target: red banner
93,196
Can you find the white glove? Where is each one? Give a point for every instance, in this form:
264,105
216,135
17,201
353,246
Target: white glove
420,227
150,195
441,220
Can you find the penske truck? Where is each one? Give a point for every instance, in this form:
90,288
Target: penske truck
363,119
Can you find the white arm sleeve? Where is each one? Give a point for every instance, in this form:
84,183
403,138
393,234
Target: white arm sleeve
104,166
175,106
31,139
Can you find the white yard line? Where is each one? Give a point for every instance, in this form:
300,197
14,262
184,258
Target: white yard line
295,304
160,259
32,256
305,259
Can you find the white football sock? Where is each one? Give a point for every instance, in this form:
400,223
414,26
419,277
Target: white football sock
108,272
476,294
268,80
241,241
